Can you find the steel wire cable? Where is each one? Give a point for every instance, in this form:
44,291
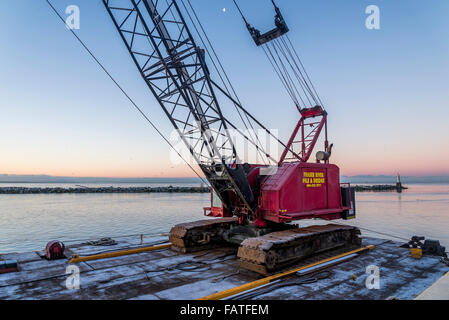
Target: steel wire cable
238,104
371,230
123,91
282,77
287,73
305,71
300,78
300,280
292,58
224,73
121,236
284,47
259,148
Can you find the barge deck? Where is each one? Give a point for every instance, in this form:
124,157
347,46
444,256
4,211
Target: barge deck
167,275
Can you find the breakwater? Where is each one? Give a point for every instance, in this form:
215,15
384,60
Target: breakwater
379,188
169,189
39,190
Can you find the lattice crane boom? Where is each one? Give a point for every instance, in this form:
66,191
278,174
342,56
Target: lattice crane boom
174,68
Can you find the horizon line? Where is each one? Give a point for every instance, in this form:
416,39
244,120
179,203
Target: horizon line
195,177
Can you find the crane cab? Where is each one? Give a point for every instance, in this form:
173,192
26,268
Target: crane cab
301,190
298,190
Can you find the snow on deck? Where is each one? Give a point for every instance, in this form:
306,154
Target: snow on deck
438,291
166,274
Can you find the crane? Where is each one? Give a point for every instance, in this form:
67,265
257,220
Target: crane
253,204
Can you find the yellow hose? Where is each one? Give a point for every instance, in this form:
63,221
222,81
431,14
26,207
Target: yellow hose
261,282
77,258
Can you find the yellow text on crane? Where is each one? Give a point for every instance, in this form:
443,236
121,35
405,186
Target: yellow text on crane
313,179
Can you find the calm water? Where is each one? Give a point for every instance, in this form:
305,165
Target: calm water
28,222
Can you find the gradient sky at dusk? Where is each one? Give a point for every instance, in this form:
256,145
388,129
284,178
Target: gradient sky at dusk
386,91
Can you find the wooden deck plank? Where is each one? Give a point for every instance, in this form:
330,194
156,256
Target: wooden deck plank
400,276
157,275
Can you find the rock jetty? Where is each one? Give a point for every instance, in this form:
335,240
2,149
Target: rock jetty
379,188
37,190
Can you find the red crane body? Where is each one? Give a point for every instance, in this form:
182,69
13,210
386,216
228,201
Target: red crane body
298,189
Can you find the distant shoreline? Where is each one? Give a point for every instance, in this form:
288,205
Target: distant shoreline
134,189
59,190
379,188
46,179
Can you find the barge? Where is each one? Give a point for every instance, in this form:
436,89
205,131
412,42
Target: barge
165,274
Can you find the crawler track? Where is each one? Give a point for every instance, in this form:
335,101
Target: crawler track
268,253
200,235
276,250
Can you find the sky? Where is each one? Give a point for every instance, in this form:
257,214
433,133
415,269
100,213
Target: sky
386,91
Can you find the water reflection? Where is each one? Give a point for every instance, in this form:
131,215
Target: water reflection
28,222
